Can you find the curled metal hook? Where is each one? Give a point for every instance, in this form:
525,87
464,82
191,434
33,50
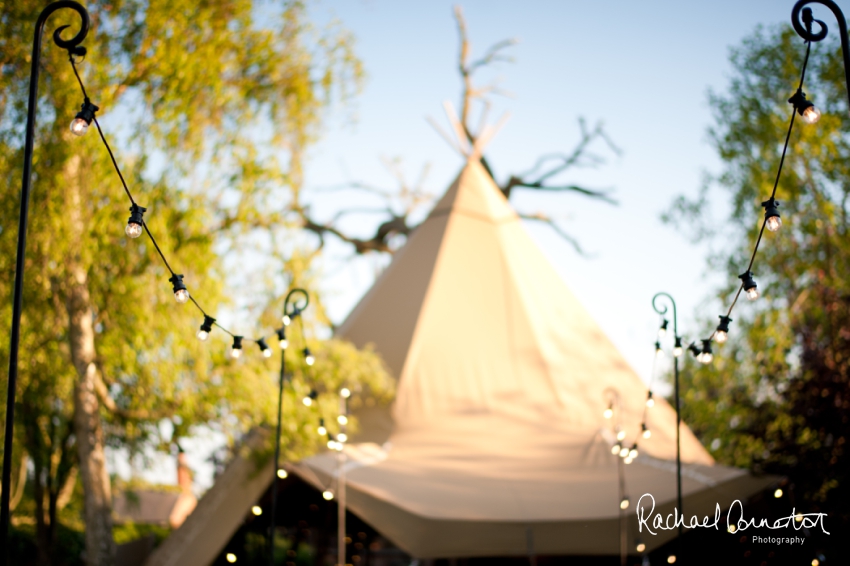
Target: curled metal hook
662,310
291,306
802,20
72,45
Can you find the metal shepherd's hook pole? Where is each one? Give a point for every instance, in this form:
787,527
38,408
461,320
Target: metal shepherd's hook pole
662,310
291,310
74,48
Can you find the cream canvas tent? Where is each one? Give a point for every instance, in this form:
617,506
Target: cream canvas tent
496,443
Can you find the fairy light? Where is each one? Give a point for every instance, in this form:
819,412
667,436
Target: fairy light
236,347
650,402
206,328
264,348
181,293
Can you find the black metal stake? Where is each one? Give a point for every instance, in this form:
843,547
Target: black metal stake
662,311
290,310
17,304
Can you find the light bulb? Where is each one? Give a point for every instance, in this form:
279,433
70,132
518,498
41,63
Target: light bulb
328,495
720,336
342,437
284,344
624,503
628,460
609,412
236,347
700,358
286,320
731,529
203,335
133,230
264,348
257,510
777,494
640,547
624,452
308,357
671,559
633,453
677,349
615,449
231,557
662,330
79,126
345,393
774,223
307,401
621,435
181,294
342,419
282,474
659,353
753,294
749,284
707,357
650,402
811,115
815,562
647,433
322,431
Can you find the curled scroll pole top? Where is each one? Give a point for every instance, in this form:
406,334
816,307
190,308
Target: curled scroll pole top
68,44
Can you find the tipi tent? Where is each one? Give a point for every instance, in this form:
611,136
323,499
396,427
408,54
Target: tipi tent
496,443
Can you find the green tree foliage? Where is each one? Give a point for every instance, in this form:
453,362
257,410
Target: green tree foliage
776,398
210,107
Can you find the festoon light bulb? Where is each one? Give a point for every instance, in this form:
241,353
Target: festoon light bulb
662,330
264,348
677,349
322,430
805,108
645,432
649,400
722,332
308,357
81,122
609,411
281,336
206,328
181,293
659,353
749,284
771,214
706,356
134,227
236,347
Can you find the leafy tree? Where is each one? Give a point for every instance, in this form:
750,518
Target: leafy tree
211,106
776,398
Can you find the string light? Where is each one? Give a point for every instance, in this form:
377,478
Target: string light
615,449
322,430
236,347
257,510
749,284
650,402
345,392
342,419
662,331
181,293
206,328
342,437
659,353
609,412
640,546
308,357
133,229
706,356
645,432
264,348
633,453
287,320
281,336
308,400
282,474
621,435
624,503
722,332
805,108
693,349
772,220
778,493
328,495
624,452
136,226
677,349
81,122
